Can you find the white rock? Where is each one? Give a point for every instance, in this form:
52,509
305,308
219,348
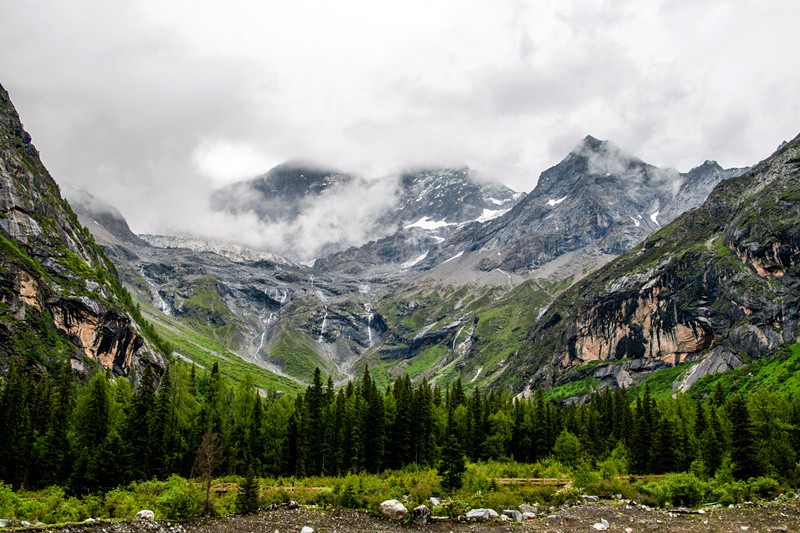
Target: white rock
493,513
528,516
146,514
602,525
394,510
434,501
307,529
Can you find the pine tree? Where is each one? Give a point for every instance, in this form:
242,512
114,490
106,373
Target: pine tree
452,464
743,452
247,498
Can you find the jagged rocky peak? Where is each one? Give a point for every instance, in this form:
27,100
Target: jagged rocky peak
447,195
598,200
56,285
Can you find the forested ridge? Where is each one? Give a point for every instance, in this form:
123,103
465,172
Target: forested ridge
90,437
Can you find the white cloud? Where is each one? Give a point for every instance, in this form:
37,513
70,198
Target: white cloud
151,104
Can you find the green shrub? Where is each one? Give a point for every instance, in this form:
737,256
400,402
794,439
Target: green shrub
731,492
764,487
584,475
181,499
350,493
9,501
70,510
677,489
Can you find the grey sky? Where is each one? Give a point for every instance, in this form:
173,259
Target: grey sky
149,104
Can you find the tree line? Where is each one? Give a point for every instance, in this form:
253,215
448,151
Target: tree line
93,436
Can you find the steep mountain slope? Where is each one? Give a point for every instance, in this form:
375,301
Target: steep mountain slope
598,201
59,294
718,286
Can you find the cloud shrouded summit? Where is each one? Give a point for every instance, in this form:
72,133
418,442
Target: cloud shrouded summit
151,106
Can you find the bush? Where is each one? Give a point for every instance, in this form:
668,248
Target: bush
584,475
70,510
181,499
677,489
731,492
765,487
9,501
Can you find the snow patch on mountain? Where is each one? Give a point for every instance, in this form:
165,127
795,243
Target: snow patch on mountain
552,203
428,224
489,214
654,217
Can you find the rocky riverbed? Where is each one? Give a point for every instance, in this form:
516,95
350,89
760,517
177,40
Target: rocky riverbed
617,516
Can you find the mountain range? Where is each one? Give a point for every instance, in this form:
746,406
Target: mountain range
610,269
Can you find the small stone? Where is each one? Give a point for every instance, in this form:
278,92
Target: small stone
701,511
434,501
744,528
602,525
89,521
705,522
504,518
628,530
307,529
146,514
493,513
292,505
513,514
529,516
590,499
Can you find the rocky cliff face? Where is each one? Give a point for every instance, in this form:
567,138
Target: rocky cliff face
59,295
718,285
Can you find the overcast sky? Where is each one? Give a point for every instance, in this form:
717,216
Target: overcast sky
149,104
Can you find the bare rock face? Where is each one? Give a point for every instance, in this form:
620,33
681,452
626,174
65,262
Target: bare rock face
52,275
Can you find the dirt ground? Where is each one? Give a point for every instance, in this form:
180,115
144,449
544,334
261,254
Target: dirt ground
620,517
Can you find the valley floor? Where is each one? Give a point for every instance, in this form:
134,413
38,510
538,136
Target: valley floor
620,517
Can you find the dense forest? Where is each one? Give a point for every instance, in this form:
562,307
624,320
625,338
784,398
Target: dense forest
104,433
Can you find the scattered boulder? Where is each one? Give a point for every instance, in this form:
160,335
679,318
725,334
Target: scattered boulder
292,505
528,516
307,529
421,515
434,501
493,513
602,525
146,514
513,514
525,508
590,499
394,510
478,514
